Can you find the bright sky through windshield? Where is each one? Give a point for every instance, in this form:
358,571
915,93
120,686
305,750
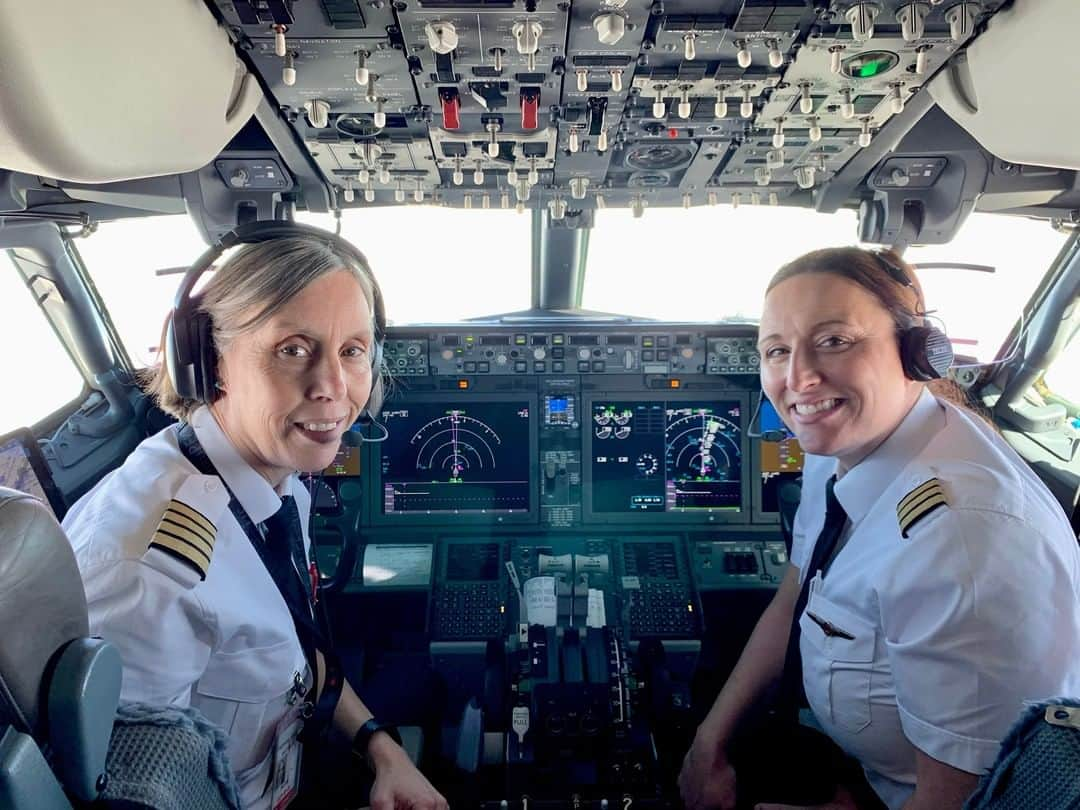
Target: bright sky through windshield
711,263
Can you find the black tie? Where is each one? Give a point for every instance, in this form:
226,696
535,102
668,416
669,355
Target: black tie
792,696
285,558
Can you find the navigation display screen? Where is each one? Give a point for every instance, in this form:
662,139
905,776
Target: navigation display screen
666,456
461,458
780,460
22,467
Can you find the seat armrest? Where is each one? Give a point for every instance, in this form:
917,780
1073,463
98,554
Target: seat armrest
84,691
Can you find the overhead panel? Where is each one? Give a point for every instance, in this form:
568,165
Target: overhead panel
577,105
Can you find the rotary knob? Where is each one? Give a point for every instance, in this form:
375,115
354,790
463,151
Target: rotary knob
610,28
442,37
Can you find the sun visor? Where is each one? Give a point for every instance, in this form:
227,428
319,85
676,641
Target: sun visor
100,92
1015,90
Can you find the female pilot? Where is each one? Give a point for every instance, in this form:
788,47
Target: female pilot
187,551
951,593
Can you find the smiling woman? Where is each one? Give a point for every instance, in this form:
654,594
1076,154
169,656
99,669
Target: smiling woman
266,367
833,369
907,616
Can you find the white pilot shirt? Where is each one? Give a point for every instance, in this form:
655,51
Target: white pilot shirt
227,645
951,628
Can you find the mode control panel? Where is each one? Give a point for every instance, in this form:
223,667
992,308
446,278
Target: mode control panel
733,355
498,352
724,564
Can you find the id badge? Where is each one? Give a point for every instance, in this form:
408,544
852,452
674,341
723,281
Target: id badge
286,780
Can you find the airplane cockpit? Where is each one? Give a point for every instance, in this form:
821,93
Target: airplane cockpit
576,501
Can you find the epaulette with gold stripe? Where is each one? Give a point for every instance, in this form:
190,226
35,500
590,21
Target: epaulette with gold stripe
187,535
920,502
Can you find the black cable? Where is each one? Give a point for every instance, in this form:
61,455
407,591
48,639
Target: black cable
313,484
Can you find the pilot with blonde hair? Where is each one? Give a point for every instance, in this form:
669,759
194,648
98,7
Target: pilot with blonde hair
195,554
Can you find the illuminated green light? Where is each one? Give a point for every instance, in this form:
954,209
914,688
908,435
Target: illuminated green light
871,69
870,65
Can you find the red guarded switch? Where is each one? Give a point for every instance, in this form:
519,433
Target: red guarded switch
451,107
530,107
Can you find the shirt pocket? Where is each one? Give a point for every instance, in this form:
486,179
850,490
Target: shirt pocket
838,662
244,693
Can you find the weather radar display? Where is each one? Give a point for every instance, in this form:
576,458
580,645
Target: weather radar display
467,458
673,456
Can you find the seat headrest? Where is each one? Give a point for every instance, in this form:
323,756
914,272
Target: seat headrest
42,604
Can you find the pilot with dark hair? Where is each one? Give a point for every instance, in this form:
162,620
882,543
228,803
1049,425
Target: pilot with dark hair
935,581
195,554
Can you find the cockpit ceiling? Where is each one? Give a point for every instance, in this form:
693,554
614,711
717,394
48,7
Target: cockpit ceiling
563,106
597,102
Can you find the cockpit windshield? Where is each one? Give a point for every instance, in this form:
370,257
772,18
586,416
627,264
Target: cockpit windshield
724,258
426,273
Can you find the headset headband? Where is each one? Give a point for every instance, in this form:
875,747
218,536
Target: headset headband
257,232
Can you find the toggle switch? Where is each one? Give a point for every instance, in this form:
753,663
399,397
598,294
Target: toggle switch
288,70
280,46
362,73
690,46
743,55
746,107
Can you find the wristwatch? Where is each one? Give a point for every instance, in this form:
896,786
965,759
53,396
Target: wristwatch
367,731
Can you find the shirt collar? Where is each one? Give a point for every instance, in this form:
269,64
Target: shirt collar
863,484
254,492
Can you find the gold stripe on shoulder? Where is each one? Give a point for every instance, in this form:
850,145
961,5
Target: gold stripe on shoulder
185,534
182,550
918,492
920,502
176,519
193,514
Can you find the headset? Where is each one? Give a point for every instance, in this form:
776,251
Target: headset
190,356
926,352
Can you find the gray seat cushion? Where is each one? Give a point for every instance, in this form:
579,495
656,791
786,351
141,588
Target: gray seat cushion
42,603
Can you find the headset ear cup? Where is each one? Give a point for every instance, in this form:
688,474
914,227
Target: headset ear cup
378,385
204,357
173,361
926,353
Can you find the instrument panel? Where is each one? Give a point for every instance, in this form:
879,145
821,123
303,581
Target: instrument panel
648,447
574,527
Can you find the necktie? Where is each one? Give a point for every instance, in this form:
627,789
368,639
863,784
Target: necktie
792,695
284,556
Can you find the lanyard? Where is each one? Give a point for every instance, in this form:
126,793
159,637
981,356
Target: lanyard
308,631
